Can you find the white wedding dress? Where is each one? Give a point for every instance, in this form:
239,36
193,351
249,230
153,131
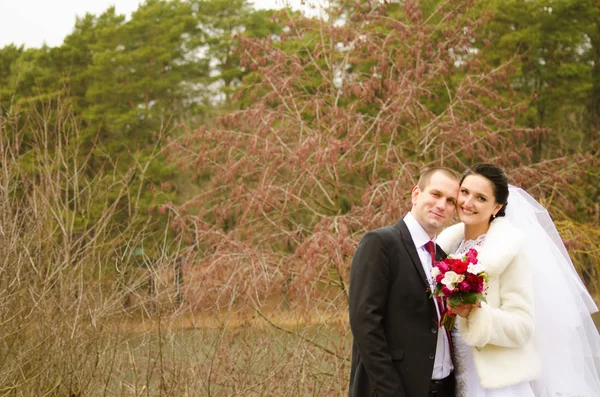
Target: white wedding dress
467,381
566,337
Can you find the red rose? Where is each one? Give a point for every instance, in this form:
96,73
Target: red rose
480,284
443,266
439,278
451,261
460,267
446,292
472,256
473,281
464,286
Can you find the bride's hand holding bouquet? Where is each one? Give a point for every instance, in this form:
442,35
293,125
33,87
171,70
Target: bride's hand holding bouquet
460,280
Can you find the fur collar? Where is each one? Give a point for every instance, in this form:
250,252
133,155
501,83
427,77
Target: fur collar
502,243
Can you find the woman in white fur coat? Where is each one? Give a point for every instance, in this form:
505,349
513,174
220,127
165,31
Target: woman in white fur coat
494,347
503,347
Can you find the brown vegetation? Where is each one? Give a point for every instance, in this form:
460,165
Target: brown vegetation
340,117
245,293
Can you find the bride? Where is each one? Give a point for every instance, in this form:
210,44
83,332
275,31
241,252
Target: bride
534,337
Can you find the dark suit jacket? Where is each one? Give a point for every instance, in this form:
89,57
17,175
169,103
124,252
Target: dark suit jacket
392,317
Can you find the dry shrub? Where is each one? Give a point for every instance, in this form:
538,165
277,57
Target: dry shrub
339,116
67,263
83,312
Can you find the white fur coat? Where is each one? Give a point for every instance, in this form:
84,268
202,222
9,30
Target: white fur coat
501,331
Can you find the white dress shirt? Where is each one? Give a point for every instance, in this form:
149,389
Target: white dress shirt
442,365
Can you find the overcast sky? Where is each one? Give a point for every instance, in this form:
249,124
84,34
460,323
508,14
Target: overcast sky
33,22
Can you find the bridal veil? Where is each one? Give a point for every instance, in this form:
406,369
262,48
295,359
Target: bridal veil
566,337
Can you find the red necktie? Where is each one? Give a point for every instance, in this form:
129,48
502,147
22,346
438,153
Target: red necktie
430,247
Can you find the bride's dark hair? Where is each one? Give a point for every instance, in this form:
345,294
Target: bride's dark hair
499,180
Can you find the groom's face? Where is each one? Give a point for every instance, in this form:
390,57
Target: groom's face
434,203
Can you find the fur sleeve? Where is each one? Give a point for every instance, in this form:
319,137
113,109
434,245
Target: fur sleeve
512,323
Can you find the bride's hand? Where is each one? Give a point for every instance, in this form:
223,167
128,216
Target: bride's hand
463,309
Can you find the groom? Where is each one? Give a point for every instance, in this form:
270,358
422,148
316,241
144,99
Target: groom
398,348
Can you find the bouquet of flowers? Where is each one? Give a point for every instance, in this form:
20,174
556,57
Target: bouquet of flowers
460,279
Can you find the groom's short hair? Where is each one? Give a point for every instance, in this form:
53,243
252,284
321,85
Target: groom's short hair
427,173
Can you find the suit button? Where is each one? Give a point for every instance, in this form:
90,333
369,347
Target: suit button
431,356
434,330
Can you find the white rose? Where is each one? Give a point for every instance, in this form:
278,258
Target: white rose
475,269
435,272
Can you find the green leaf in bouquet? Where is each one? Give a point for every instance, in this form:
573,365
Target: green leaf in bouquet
470,298
455,300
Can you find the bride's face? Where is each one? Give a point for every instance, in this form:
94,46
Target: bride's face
476,202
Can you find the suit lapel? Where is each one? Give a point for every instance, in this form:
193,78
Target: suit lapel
412,250
440,255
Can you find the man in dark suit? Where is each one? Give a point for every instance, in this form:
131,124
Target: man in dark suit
398,348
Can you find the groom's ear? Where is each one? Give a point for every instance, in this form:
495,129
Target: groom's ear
413,194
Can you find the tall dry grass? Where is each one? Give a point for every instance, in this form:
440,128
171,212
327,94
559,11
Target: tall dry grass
90,302
91,297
